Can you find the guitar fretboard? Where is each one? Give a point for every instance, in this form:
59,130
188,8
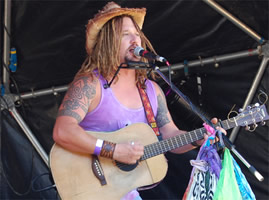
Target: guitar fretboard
163,146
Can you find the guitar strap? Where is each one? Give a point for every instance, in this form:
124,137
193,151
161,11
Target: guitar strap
151,120
148,109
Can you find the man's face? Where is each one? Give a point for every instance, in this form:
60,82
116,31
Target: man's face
130,39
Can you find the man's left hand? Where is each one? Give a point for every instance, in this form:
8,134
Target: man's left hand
214,121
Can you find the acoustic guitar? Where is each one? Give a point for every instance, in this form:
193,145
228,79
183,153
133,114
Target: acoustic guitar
82,176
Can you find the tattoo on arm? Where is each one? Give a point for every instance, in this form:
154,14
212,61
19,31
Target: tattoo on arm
78,97
162,112
69,113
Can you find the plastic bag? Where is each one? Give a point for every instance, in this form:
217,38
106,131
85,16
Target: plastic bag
227,187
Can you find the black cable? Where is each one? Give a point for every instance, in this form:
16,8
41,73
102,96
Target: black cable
16,87
128,65
9,35
45,188
7,181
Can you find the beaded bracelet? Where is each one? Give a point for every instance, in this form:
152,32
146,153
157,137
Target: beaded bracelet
98,147
108,149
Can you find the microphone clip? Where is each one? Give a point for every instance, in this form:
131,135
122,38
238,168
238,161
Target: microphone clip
129,65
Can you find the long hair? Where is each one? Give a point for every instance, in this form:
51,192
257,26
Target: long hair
105,54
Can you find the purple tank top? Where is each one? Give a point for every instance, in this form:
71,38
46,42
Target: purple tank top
111,115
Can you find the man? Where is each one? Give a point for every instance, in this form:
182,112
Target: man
111,37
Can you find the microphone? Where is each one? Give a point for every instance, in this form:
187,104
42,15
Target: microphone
139,51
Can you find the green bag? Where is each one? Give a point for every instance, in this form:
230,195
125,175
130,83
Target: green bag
227,187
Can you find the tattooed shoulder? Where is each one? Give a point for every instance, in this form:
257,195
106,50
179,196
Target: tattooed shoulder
70,113
78,97
162,112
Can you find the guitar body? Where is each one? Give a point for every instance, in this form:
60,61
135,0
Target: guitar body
74,177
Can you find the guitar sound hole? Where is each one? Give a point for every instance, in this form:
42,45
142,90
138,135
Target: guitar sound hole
126,167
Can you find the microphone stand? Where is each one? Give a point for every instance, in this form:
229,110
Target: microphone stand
128,65
227,142
152,66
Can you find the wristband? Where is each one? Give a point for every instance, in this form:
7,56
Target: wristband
195,144
107,150
98,147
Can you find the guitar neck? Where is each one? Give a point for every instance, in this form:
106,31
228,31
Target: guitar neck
169,144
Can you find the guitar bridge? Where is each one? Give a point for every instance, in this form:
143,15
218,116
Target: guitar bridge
97,170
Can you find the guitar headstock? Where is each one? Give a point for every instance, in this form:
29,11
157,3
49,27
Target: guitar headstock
252,115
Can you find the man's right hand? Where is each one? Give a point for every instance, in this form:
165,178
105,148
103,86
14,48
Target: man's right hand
128,153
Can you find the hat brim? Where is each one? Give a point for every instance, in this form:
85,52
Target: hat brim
95,25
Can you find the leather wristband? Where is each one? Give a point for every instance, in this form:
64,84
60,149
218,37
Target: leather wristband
108,149
98,147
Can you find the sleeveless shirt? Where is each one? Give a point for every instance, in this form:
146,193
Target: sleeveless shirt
111,115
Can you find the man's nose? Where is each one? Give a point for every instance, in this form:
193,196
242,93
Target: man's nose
135,39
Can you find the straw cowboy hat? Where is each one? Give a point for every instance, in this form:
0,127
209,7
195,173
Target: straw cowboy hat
110,11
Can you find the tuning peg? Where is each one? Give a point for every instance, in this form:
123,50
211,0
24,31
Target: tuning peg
263,123
257,105
251,129
248,107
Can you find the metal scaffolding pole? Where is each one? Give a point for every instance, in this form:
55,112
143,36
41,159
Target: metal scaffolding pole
235,21
215,59
53,90
6,42
251,92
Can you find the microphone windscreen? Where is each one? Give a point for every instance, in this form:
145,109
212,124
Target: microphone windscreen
138,50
